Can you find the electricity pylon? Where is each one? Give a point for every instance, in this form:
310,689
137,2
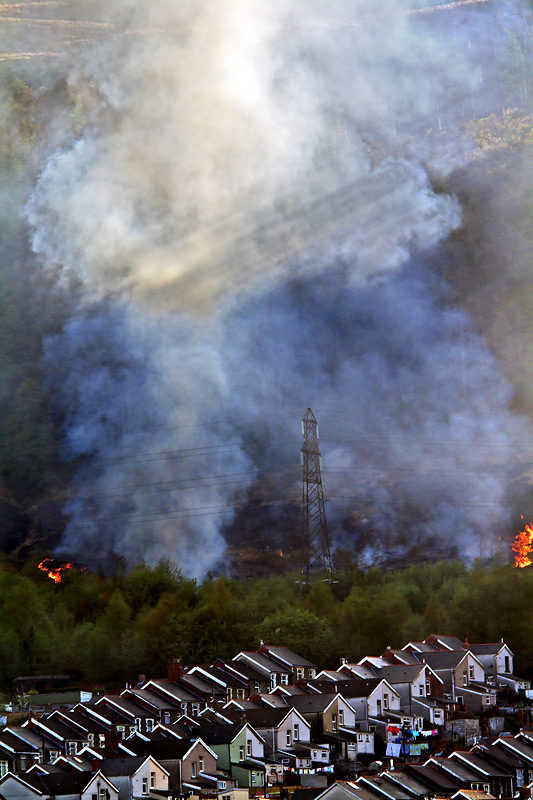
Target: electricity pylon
314,528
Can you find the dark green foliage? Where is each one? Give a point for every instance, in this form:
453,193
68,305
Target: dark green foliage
109,630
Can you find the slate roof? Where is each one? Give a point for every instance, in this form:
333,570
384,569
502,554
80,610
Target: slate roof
263,662
444,659
435,777
362,687
288,657
218,734
260,717
310,703
447,642
116,767
479,763
401,674
490,649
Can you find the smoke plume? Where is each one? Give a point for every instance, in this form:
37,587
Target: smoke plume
252,214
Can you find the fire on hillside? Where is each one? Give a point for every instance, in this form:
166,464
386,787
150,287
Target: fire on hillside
54,569
522,546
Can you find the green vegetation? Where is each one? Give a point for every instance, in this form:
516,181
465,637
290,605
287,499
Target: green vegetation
108,630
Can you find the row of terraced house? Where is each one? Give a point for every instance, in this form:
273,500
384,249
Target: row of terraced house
390,725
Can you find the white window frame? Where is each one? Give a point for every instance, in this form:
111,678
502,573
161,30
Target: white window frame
144,784
241,752
296,732
194,770
152,780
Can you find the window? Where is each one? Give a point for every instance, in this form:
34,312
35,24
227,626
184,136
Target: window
193,769
471,672
195,709
201,763
22,763
428,687
341,716
145,785
284,679
241,753
138,722
222,784
296,732
152,780
240,694
289,738
257,687
487,699
183,707
248,747
131,729
299,673
507,664
465,678
149,724
253,778
90,737
378,704
421,690
53,755
359,737
101,739
385,700
324,755
333,722
3,768
351,745
166,717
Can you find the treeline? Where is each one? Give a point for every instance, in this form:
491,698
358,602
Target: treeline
105,631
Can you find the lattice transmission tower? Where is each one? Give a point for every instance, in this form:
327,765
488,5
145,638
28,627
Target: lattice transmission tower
314,528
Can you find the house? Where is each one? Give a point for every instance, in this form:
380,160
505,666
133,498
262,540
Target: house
497,658
411,681
256,681
190,702
135,777
16,754
499,780
75,785
274,671
301,669
191,764
477,697
240,752
368,698
456,668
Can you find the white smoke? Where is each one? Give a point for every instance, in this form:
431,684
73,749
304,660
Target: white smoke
231,148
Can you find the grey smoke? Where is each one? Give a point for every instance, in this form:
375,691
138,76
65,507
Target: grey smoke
251,212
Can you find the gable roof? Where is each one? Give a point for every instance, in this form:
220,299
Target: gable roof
286,656
118,767
490,649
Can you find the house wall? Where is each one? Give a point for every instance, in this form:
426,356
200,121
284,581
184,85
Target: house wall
304,731
376,701
12,789
199,751
161,779
331,714
92,789
468,671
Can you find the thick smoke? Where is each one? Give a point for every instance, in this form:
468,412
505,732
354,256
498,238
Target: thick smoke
251,212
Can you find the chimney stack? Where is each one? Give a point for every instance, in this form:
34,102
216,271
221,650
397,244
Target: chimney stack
174,669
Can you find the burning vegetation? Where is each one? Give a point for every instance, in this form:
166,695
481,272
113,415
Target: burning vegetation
522,546
54,570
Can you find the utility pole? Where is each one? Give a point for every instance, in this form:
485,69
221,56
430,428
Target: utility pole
314,529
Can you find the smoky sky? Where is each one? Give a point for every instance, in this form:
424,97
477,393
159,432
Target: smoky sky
252,211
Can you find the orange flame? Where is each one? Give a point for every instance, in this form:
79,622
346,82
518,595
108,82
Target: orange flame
54,574
522,546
